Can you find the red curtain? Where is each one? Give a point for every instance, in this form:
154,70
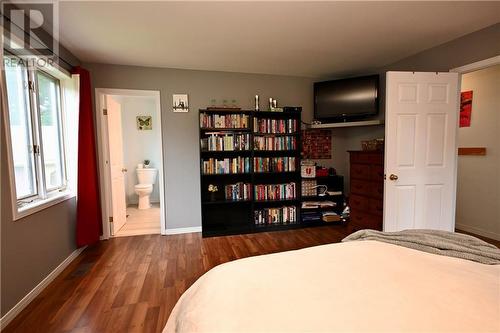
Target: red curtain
88,207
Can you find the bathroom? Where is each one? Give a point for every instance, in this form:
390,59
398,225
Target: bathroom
142,162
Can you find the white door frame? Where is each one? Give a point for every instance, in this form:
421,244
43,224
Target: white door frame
103,151
475,66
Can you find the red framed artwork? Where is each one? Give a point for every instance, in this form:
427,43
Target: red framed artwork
317,144
465,108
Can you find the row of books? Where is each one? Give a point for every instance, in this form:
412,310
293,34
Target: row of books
276,126
275,143
214,166
224,121
273,164
281,215
227,142
238,191
275,191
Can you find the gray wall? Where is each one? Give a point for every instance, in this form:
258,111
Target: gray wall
33,246
476,46
180,130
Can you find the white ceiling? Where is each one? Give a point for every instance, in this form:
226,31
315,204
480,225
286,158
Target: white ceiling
312,39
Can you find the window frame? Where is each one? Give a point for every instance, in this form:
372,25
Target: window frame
61,136
44,197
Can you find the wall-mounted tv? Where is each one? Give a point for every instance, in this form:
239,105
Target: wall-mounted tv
346,99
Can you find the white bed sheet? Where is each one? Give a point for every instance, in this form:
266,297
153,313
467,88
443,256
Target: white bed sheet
364,286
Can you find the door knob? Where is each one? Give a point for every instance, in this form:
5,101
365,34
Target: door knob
393,177
124,170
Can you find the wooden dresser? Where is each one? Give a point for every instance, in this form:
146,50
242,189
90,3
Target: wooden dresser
367,189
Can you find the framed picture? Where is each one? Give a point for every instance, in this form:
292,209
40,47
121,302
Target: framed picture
465,108
144,123
180,102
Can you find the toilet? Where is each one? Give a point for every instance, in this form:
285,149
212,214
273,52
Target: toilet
146,178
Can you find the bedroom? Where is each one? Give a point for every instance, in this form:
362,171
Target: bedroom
268,56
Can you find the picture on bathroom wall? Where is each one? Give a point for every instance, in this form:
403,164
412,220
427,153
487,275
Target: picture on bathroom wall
180,102
144,123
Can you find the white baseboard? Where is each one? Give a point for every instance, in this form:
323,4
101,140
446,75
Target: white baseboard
7,318
177,231
478,231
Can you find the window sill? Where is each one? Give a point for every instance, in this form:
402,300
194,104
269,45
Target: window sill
39,205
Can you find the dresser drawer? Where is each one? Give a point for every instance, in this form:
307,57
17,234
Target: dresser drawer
360,187
376,207
359,203
367,158
366,221
376,190
361,171
377,173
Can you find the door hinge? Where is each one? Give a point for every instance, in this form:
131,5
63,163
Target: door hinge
111,219
36,149
105,112
31,86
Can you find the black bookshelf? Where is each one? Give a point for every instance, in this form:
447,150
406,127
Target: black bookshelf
224,217
334,183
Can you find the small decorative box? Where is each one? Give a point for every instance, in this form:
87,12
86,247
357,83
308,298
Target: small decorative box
308,169
309,188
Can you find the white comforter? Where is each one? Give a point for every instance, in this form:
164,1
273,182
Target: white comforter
364,286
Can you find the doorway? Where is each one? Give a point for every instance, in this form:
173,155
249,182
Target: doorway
478,185
131,162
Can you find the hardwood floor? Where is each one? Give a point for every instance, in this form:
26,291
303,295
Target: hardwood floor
486,239
131,284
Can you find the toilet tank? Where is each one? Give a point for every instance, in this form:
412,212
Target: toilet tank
146,175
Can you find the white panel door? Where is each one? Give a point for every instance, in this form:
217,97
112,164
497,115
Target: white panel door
421,152
116,167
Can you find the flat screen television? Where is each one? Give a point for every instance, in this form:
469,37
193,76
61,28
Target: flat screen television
346,99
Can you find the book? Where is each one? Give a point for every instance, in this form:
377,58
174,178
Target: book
224,121
274,164
274,143
238,191
266,192
330,217
214,166
225,142
280,215
274,126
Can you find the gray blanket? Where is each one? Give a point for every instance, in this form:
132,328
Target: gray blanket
444,243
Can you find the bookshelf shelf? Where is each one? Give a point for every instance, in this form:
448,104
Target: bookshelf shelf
276,201
226,202
225,152
275,134
228,129
225,174
274,173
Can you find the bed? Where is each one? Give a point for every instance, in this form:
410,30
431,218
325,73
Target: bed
366,286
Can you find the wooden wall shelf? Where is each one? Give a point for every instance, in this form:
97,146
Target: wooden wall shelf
472,151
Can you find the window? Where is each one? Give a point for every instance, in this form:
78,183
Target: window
35,111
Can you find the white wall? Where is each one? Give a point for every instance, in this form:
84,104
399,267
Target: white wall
139,145
478,195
